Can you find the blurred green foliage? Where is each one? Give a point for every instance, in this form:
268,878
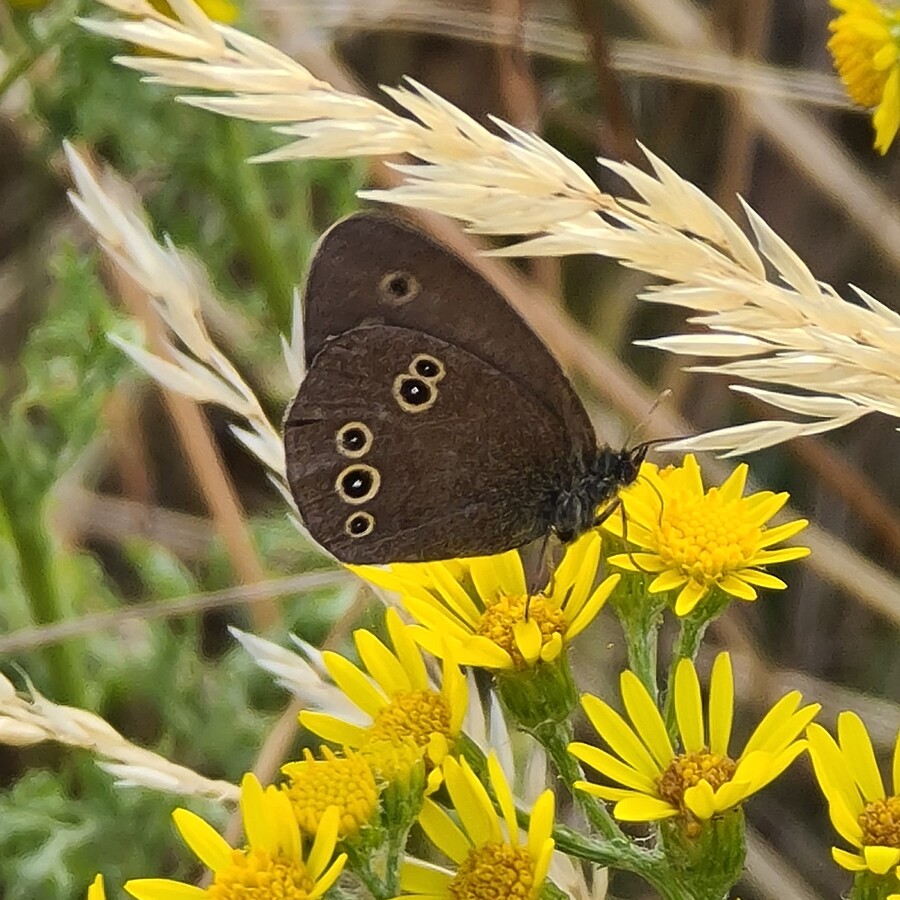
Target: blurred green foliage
177,686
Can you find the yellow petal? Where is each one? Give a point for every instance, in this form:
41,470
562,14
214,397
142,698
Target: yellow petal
527,636
667,581
733,486
205,842
853,862
721,704
472,802
504,798
540,826
881,860
689,707
552,649
328,878
325,841
511,573
644,809
620,737
646,719
453,594
354,683
773,557
856,748
691,594
331,729
736,587
96,890
258,827
443,832
700,800
831,771
424,880
608,765
584,616
772,723
762,579
389,581
482,653
380,663
781,533
163,889
407,650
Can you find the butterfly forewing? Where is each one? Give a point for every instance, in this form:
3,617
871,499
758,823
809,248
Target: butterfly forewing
372,269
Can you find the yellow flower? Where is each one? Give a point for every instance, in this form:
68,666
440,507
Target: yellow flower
490,861
96,891
223,11
696,540
408,719
865,44
273,864
861,811
347,783
700,780
483,610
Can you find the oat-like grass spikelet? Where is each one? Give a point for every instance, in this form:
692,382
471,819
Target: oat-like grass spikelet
26,721
766,318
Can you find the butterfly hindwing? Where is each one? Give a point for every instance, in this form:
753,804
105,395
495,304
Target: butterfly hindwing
402,446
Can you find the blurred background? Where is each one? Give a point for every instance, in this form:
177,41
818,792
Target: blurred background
134,529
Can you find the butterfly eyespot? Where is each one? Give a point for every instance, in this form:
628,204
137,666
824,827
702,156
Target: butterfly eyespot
358,483
427,367
413,394
353,440
359,524
397,288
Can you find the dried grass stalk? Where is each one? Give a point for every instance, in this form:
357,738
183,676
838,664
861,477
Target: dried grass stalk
28,721
824,359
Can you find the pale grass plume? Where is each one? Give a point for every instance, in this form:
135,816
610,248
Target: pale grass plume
179,290
816,356
33,719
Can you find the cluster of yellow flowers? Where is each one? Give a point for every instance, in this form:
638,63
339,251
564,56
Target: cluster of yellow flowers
406,756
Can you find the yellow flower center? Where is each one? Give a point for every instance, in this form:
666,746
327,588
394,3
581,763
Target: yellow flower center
492,871
880,823
689,769
705,537
500,618
345,782
402,731
864,45
255,875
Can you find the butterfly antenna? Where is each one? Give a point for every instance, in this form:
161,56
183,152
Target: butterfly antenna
655,490
663,395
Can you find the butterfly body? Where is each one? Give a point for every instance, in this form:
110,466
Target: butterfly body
432,422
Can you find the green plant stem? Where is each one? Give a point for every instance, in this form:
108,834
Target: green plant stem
244,198
22,524
360,865
555,738
641,641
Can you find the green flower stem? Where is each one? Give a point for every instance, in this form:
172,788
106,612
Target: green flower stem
360,864
640,615
243,196
21,524
690,636
869,886
555,739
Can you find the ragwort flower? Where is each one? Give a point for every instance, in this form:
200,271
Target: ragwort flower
346,783
272,865
408,720
862,812
695,540
865,44
483,609
491,859
700,780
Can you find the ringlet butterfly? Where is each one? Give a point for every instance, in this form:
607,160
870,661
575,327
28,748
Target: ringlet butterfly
432,422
